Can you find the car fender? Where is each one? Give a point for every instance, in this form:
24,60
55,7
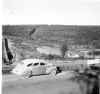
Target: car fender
50,69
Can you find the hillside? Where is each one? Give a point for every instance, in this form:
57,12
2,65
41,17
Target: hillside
55,33
23,39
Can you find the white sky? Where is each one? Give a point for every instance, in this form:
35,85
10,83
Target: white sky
65,12
75,12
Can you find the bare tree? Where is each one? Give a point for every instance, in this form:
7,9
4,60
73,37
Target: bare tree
32,32
64,48
8,55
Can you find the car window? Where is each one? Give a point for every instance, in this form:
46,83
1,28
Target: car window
41,63
29,65
35,64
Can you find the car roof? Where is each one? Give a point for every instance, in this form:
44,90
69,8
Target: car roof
27,61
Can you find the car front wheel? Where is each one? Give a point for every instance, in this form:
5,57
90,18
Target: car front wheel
27,74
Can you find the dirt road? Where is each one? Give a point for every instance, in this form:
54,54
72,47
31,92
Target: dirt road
47,84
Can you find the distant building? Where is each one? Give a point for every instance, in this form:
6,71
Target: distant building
94,53
80,47
72,54
80,50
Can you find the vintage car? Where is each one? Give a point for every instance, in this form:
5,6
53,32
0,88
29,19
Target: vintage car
29,67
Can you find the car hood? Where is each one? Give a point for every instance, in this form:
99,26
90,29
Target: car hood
19,69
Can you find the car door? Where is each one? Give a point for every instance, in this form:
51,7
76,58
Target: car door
43,67
36,68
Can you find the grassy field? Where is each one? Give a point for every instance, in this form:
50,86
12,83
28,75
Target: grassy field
54,34
25,38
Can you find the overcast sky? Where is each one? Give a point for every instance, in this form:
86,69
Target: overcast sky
75,12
